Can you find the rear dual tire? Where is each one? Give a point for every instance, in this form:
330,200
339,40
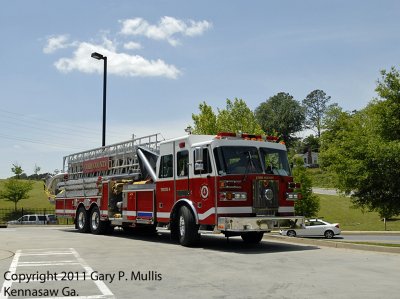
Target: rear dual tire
97,226
82,220
93,223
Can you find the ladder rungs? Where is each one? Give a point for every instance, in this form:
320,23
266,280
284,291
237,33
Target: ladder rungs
122,157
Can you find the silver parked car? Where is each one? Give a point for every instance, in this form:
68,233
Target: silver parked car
314,228
31,219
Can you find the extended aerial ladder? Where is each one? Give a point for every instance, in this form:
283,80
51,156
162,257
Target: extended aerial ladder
134,159
122,158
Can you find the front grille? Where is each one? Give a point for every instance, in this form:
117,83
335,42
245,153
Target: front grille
265,197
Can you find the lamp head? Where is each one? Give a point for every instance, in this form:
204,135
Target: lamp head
97,56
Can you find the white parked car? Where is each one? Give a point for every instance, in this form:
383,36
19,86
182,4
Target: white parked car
314,228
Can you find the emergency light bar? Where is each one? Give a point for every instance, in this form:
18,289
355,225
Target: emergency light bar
245,136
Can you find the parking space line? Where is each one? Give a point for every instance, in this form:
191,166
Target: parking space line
100,284
50,263
13,270
77,260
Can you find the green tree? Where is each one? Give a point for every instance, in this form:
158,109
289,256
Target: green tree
281,113
332,114
388,111
14,190
363,155
309,205
36,169
311,143
17,170
315,108
236,117
206,121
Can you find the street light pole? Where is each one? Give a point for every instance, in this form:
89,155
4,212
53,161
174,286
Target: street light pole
98,56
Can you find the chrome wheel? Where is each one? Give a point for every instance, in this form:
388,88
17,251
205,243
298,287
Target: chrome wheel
81,220
181,226
82,223
188,230
98,226
95,220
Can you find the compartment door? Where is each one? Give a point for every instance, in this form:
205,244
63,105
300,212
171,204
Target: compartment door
145,211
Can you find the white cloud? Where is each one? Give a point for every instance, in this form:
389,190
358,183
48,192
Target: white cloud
56,42
118,63
132,46
166,29
197,28
124,64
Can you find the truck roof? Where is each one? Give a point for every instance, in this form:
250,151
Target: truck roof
189,141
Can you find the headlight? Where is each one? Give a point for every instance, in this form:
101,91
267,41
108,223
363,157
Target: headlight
238,196
268,194
293,196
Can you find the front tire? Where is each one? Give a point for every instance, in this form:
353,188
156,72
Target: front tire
291,233
82,220
329,234
252,237
97,226
188,231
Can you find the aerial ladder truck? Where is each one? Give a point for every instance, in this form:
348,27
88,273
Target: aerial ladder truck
231,183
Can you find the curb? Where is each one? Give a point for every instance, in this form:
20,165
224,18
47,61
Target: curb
333,244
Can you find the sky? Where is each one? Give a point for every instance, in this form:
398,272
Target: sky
166,57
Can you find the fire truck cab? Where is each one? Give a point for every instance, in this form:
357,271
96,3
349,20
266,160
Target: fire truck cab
235,184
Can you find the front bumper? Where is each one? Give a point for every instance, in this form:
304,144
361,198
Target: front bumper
254,224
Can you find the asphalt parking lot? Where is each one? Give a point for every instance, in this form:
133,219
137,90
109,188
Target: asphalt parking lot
58,262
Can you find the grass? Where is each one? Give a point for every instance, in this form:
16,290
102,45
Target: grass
320,178
340,209
37,199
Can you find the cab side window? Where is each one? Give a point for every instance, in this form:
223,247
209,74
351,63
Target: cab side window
182,162
206,163
166,167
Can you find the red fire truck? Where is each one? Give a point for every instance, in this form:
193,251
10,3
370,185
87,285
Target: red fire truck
235,184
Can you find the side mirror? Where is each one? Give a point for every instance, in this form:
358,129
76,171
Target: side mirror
198,159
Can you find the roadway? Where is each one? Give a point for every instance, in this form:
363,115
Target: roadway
132,266
373,237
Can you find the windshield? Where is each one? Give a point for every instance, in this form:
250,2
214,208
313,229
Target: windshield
246,159
275,161
237,160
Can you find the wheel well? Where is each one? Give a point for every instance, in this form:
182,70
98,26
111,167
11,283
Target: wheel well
88,210
92,206
178,205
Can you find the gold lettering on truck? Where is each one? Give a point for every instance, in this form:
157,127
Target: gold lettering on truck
95,165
